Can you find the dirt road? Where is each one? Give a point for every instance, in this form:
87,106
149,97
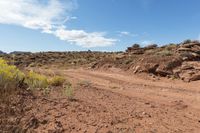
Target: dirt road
115,102
163,91
180,97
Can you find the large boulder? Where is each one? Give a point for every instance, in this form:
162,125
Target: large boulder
189,71
195,77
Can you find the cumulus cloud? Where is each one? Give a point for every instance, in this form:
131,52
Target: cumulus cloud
32,13
49,17
83,38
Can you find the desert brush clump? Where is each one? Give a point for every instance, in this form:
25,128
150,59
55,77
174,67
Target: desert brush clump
68,91
10,79
35,80
57,81
10,76
165,53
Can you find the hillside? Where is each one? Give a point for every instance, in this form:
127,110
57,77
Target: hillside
177,61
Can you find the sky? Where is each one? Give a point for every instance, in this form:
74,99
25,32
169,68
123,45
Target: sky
98,25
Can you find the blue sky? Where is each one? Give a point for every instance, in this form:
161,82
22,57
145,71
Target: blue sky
106,25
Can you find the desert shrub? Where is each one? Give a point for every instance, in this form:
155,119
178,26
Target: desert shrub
187,41
10,76
69,91
46,91
150,52
151,46
128,61
10,80
136,45
39,65
57,81
170,46
35,80
165,53
196,41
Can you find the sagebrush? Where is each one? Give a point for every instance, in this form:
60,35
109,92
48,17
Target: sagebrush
57,81
10,76
35,80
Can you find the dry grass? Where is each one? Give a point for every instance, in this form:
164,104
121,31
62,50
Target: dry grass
68,91
57,81
10,79
35,80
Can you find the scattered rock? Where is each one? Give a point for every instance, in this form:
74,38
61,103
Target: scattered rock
33,123
163,72
195,77
44,122
179,105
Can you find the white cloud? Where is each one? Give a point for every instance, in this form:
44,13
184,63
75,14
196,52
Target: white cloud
146,42
31,13
73,17
49,17
84,39
126,33
199,37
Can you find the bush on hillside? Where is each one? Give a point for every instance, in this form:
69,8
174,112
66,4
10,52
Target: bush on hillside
10,76
187,41
136,45
10,80
35,80
57,81
165,53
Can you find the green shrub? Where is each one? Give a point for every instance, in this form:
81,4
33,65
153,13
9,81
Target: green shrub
10,76
136,45
187,41
57,81
69,91
165,53
35,80
170,47
10,79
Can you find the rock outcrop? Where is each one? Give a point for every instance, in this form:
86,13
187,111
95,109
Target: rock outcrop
189,51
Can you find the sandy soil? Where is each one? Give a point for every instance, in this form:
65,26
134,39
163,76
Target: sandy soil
116,102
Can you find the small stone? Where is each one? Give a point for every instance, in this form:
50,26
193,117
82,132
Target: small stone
147,103
153,106
44,122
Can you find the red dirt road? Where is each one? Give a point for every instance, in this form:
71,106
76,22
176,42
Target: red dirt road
114,102
180,101
163,91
